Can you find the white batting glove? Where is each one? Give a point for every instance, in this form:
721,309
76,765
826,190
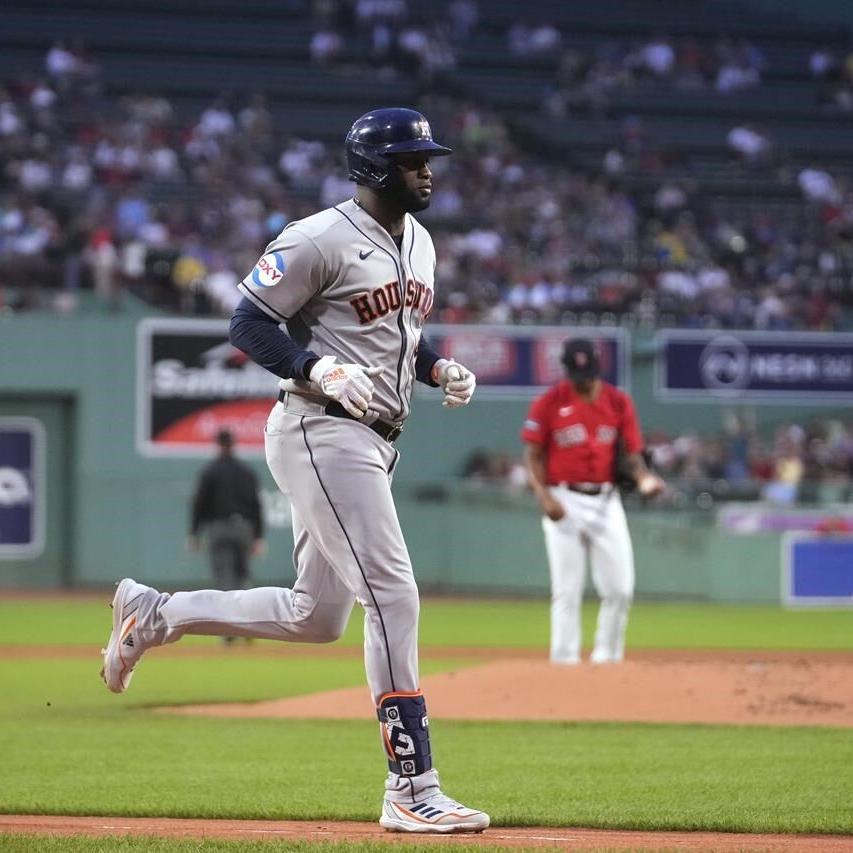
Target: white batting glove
349,384
457,383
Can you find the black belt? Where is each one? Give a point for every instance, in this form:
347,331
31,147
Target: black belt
389,432
585,488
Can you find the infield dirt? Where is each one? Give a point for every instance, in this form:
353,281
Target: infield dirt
698,687
330,831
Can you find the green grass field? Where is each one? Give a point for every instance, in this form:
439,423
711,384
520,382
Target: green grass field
70,747
511,624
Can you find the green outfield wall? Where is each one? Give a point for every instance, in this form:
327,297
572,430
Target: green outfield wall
465,540
113,511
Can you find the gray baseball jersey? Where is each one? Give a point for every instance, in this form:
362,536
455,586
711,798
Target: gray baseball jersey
337,280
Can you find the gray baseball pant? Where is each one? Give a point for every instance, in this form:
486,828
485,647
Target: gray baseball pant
348,547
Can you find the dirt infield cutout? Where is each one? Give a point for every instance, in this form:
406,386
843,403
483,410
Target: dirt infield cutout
330,831
785,691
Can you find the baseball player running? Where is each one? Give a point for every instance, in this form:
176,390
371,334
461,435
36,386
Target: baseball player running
571,437
351,286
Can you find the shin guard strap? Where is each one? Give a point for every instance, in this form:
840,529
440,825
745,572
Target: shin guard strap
404,726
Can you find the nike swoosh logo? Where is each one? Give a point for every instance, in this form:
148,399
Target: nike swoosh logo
366,254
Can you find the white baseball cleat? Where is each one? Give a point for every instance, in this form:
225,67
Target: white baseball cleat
599,656
437,813
124,647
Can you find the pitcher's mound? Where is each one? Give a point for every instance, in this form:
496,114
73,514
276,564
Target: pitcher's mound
779,691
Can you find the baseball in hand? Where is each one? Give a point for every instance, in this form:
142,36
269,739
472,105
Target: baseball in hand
649,484
457,383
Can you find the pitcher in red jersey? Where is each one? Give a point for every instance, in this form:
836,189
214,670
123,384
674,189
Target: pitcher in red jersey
572,435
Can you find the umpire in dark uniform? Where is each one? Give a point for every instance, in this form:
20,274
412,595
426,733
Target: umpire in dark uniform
226,510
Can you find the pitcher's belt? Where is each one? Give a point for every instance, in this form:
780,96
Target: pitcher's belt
587,488
390,432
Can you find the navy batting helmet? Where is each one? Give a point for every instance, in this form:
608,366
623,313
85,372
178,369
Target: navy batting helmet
379,133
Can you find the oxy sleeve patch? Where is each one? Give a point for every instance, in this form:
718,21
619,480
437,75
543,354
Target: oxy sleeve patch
268,271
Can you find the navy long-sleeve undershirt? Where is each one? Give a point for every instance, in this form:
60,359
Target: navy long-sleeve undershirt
258,335
424,361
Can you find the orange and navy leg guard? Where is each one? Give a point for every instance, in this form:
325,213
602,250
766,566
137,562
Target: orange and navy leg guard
404,726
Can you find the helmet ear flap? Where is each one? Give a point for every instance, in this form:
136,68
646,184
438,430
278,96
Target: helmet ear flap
367,166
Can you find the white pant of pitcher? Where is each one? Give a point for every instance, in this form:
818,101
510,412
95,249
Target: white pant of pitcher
594,527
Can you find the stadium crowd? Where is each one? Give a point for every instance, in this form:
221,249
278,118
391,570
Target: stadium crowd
586,80
392,38
177,211
817,455
795,462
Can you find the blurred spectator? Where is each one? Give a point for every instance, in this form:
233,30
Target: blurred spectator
787,468
217,120
61,62
752,147
496,468
739,65
536,39
42,97
326,46
102,258
221,286
731,78
11,122
670,198
823,63
369,12
464,15
302,162
658,56
71,68
77,174
772,312
818,186
256,119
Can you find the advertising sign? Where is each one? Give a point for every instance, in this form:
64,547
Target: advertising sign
191,383
22,488
817,570
755,366
522,361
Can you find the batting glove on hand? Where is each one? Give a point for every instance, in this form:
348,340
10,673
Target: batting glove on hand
349,384
457,383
